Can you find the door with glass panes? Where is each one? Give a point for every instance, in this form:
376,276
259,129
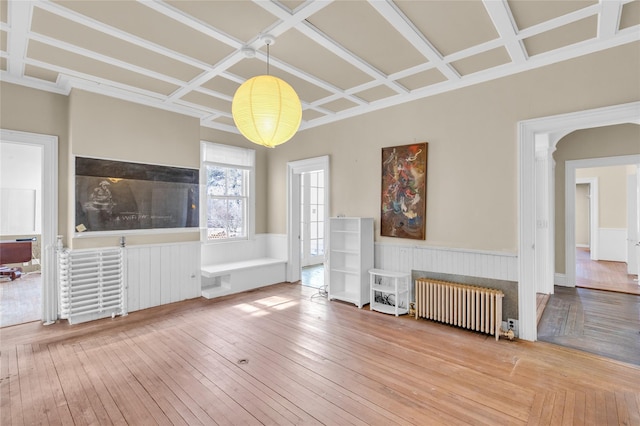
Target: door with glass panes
312,218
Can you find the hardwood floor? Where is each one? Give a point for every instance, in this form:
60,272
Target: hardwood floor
600,322
603,275
313,276
277,355
541,304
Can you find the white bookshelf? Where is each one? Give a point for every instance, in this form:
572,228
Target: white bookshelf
350,258
393,288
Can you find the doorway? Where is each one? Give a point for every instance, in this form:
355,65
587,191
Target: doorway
20,226
605,214
312,224
608,235
30,211
308,212
537,139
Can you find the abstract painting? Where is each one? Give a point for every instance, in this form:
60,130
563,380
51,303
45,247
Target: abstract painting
404,191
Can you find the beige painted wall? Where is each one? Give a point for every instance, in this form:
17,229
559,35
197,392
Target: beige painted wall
582,214
472,133
610,141
109,128
92,125
612,194
35,111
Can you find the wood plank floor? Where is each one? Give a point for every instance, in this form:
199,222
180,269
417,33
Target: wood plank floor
279,356
603,275
601,322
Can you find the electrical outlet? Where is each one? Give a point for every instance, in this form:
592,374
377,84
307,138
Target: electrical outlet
511,323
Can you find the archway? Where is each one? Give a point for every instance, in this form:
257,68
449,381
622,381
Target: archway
537,139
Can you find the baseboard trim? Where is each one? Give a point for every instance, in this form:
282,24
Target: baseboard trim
560,279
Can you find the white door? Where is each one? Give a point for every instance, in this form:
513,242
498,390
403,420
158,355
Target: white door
295,172
633,223
312,218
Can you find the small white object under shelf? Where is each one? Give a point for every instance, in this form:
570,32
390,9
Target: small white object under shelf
390,285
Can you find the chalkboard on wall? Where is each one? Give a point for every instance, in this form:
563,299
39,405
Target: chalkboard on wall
116,195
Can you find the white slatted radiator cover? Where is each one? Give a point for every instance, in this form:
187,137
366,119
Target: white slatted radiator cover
465,306
92,284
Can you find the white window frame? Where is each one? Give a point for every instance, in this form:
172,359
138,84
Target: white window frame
214,154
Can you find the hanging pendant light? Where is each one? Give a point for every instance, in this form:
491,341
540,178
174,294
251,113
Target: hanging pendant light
266,109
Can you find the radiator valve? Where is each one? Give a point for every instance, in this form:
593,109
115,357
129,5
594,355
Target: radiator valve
509,334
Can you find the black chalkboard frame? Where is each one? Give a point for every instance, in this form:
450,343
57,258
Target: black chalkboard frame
115,195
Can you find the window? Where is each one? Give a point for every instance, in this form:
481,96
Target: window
228,176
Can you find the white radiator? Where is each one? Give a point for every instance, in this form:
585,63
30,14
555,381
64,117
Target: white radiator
466,306
92,284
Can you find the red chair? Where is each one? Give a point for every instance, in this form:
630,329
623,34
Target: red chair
15,251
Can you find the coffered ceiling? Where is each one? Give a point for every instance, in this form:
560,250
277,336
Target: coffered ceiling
344,58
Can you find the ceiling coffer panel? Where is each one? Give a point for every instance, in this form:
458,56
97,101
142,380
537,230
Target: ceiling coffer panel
227,16
482,61
343,58
376,93
90,69
529,13
630,15
3,11
450,26
222,85
566,35
208,102
40,73
345,22
298,50
142,21
65,30
339,105
422,79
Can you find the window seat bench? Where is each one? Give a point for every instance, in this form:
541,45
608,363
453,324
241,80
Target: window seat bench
233,277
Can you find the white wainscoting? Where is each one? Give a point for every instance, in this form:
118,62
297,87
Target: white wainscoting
162,273
612,244
475,263
262,245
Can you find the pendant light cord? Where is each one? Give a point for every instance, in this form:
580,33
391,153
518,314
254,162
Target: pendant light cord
268,58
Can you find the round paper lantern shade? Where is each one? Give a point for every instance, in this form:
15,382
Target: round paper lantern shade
266,110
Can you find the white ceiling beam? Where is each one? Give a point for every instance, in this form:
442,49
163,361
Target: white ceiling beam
71,15
609,18
298,20
288,20
629,35
19,19
322,39
191,22
34,83
217,69
558,22
104,58
500,15
407,29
